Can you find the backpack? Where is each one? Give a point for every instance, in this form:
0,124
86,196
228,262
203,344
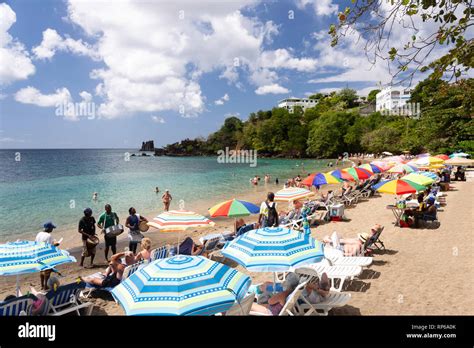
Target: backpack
272,219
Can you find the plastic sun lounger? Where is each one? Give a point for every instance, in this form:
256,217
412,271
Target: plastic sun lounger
242,308
65,299
336,257
334,299
290,305
160,253
18,306
336,274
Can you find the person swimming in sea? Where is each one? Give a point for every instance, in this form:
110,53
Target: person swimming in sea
95,196
157,190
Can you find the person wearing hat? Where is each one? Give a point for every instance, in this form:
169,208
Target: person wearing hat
166,198
87,230
45,237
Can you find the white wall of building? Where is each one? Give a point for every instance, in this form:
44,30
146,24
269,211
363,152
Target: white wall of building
391,98
290,103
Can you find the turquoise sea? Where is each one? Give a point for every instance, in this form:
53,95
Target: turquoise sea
38,185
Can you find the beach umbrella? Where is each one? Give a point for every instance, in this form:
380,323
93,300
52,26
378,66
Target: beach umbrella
372,168
394,159
426,161
459,154
23,257
342,175
179,220
181,285
398,187
292,194
320,179
443,157
459,161
419,179
234,208
430,175
403,168
273,249
382,165
358,173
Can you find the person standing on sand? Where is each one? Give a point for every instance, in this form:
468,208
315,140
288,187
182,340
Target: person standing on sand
268,214
45,237
107,219
87,229
166,198
134,234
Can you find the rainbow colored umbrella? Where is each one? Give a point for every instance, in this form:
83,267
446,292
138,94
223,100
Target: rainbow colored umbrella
342,175
292,194
320,179
358,173
429,175
443,157
426,161
233,208
419,179
372,168
398,187
383,165
403,168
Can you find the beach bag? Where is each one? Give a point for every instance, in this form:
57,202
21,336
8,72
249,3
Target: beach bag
272,218
135,236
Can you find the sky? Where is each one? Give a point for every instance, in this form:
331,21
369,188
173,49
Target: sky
111,74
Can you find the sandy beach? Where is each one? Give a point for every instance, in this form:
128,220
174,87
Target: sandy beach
422,271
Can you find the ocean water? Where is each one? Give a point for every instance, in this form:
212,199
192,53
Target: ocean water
41,185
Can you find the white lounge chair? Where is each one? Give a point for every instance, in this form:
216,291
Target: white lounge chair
242,308
336,274
336,257
290,304
65,299
334,298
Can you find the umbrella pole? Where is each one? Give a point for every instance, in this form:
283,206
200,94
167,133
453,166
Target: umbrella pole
17,286
274,282
177,253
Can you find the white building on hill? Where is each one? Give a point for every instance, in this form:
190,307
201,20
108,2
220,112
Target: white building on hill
392,98
290,103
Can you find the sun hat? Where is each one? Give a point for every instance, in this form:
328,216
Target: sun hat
48,225
363,236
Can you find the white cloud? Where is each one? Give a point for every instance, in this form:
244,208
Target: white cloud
61,100
283,59
31,95
15,61
53,42
154,62
320,7
158,119
11,140
222,100
271,89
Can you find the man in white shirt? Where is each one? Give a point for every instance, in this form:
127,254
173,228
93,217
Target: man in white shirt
45,236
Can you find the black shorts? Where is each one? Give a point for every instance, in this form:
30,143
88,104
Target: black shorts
110,281
110,241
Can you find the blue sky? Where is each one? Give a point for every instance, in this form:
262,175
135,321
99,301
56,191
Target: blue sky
161,71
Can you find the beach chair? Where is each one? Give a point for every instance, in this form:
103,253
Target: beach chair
337,274
336,257
18,306
242,308
290,304
160,253
129,270
210,245
65,299
333,300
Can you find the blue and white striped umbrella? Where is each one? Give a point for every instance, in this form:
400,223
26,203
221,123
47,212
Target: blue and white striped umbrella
181,285
430,175
274,249
24,256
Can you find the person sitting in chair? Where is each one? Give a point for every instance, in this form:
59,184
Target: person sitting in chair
112,275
